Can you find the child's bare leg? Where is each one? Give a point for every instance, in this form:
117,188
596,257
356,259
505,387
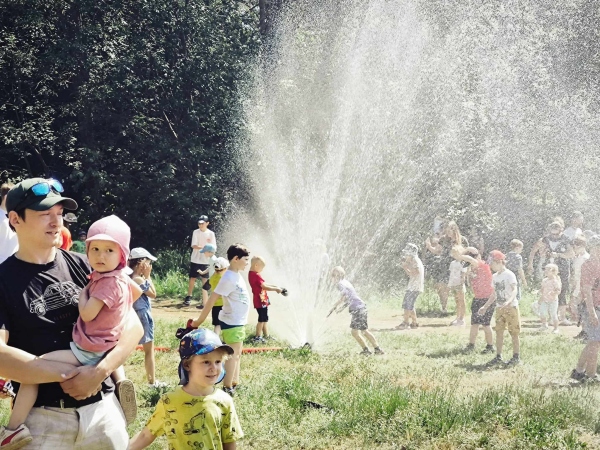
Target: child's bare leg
473,334
371,338
406,316
149,361
459,296
489,338
586,361
356,335
413,315
28,392
258,329
442,290
562,312
217,329
265,329
499,341
516,342
204,296
232,364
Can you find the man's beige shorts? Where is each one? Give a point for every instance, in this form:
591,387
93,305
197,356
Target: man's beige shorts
99,426
508,319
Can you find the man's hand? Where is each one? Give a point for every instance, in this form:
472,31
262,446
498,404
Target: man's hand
82,382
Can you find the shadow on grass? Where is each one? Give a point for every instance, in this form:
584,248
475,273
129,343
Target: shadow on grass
433,314
459,351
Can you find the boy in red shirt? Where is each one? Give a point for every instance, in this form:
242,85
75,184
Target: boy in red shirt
260,296
481,282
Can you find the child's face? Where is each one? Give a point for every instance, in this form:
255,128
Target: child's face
496,265
204,370
518,249
104,256
203,226
237,263
258,266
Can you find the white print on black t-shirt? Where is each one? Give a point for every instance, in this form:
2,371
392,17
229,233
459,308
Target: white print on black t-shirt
55,296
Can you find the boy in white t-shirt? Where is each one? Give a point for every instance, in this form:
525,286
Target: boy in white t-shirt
413,267
234,315
199,260
507,307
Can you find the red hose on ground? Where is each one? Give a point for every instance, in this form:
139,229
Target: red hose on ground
244,351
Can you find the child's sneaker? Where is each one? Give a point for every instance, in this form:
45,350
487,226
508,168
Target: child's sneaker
414,325
496,361
187,301
403,326
514,361
258,340
378,351
543,328
126,394
13,439
200,306
556,331
582,335
578,376
365,351
469,348
488,349
565,322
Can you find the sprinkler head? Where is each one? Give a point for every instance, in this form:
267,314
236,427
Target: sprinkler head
307,346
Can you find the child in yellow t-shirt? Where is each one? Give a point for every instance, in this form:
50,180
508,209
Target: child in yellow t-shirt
221,265
196,414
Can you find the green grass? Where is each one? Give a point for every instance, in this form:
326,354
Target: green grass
422,394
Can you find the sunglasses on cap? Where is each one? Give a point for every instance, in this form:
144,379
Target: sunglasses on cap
44,187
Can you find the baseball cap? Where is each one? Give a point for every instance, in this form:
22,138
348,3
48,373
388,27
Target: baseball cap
140,252
38,194
199,342
221,263
112,229
497,255
70,217
203,219
208,248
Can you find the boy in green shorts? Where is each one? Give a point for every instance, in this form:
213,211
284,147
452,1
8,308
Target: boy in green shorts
234,315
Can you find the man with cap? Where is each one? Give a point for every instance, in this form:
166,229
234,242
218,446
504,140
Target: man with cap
200,260
39,290
8,238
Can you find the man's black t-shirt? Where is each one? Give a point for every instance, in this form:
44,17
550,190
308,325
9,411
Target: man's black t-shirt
38,307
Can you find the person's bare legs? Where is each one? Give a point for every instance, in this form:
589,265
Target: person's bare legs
191,285
489,337
473,334
516,342
232,373
217,330
258,332
499,341
265,330
588,360
149,361
459,296
442,290
28,392
356,335
413,315
371,338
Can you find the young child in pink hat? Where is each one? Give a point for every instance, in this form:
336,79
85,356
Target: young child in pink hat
103,305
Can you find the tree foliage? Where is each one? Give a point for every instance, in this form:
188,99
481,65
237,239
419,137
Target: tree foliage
132,104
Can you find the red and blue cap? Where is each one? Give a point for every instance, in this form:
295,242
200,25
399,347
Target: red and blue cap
199,342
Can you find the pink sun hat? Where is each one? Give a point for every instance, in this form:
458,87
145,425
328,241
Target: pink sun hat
112,229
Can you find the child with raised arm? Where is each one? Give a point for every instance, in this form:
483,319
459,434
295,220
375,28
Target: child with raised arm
358,311
480,275
507,307
413,267
195,414
551,287
221,265
103,305
234,315
260,296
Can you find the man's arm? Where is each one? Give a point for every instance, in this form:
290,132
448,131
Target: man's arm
84,381
26,368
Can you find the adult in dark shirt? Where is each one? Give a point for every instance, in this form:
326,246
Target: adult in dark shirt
39,291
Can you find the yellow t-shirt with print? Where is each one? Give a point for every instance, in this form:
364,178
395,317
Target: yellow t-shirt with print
214,281
191,422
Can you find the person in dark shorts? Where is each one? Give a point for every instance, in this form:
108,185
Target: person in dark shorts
358,310
480,275
199,260
260,297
